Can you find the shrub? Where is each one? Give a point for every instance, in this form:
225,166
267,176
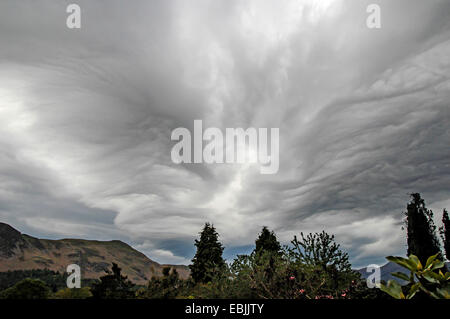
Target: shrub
113,286
74,293
430,278
27,289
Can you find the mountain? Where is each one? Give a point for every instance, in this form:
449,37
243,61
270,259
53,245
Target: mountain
387,270
23,252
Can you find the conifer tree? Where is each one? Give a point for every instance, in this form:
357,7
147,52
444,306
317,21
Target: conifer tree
267,242
421,231
207,262
113,285
267,252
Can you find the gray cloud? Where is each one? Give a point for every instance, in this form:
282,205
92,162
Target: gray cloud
86,117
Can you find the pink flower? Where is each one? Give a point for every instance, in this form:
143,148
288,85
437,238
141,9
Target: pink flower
302,291
291,278
344,294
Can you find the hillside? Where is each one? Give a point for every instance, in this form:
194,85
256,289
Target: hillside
22,252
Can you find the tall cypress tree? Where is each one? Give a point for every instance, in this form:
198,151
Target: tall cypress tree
421,231
207,262
445,233
267,242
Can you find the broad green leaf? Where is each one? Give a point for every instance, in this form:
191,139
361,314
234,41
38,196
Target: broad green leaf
444,292
430,260
401,276
394,289
416,262
437,265
414,289
432,277
435,295
428,292
406,263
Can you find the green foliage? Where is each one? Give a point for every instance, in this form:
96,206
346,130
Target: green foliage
219,287
162,288
113,286
27,289
421,231
256,275
74,293
445,233
261,275
430,279
54,280
314,267
329,269
267,242
208,259
320,250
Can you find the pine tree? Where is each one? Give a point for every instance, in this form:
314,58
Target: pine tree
113,285
445,233
421,231
267,242
267,252
207,262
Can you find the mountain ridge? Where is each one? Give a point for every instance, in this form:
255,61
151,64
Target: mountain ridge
387,269
24,252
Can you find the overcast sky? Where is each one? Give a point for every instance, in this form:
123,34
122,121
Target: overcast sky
86,117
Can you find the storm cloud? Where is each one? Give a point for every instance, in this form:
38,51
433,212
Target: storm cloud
86,117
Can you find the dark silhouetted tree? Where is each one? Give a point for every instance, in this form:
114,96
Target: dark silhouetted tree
113,286
421,231
267,242
207,262
445,233
267,251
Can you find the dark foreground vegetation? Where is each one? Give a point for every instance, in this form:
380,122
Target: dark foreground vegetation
313,266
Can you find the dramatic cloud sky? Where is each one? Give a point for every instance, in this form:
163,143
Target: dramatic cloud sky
86,117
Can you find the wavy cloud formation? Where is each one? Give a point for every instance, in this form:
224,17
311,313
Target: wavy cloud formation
86,117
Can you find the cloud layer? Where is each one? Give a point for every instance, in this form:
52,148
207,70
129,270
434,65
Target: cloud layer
86,117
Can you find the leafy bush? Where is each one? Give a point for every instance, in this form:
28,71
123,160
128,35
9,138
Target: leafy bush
74,293
261,275
313,268
430,278
162,288
54,280
27,289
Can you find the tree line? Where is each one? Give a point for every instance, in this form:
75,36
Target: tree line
313,266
